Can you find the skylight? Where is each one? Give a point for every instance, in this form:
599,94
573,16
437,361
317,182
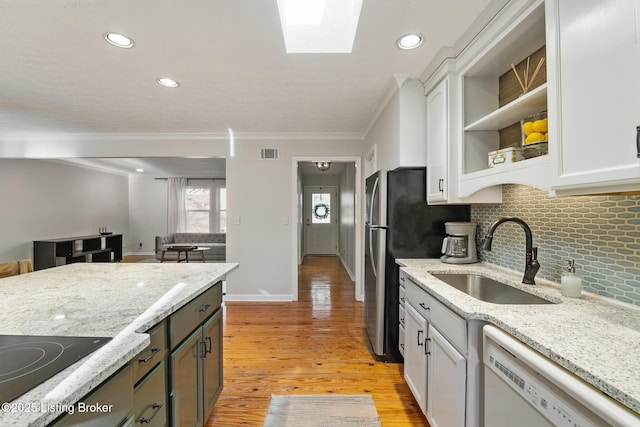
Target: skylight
319,26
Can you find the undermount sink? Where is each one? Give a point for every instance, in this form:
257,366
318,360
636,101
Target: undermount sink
489,290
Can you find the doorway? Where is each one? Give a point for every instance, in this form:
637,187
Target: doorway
321,220
344,213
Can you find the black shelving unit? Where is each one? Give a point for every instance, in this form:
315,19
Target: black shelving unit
95,248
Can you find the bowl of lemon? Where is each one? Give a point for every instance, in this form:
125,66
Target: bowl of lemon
535,135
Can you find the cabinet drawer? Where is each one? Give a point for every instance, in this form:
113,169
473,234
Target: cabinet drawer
403,278
189,317
149,399
401,336
402,315
152,354
446,321
114,396
403,296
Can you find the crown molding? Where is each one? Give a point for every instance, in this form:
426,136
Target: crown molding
183,136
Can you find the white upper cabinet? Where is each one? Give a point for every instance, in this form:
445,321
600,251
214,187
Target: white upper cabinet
437,142
594,94
441,140
515,34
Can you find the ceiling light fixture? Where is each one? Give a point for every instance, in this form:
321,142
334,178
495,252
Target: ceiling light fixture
410,41
167,82
323,166
119,40
139,170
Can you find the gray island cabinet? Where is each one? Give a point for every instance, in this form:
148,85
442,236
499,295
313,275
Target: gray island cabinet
163,364
184,367
195,336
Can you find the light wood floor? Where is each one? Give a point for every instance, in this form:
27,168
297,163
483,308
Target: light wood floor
312,346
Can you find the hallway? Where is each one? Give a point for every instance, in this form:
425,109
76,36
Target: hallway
311,346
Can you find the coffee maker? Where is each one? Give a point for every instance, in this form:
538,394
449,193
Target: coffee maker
459,247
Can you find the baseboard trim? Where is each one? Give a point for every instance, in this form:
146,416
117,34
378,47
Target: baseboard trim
258,298
139,253
346,267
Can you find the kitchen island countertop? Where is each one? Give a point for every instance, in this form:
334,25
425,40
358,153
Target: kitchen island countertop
114,300
595,338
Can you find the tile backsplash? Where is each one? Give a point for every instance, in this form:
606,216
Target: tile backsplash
602,233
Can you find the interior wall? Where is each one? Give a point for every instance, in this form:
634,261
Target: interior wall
44,200
261,228
348,220
399,132
385,134
147,213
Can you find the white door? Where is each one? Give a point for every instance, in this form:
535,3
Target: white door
321,220
415,355
447,373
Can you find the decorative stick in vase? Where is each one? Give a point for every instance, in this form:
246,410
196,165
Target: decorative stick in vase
535,73
513,67
528,79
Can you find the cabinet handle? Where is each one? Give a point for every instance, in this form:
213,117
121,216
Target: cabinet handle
154,351
425,346
206,349
156,408
638,142
402,346
420,332
441,185
204,308
425,306
402,300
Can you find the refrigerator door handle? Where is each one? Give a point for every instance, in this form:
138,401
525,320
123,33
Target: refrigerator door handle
374,193
372,254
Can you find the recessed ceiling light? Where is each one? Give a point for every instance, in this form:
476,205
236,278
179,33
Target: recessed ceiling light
119,40
139,170
167,82
409,41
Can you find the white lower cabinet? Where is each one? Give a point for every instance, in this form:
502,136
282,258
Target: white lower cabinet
435,359
415,356
447,374
402,315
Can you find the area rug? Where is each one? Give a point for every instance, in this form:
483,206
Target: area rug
322,410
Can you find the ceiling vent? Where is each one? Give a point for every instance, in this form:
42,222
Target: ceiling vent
268,154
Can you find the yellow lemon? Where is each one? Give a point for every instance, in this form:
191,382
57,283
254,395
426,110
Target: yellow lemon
546,136
527,127
534,137
539,126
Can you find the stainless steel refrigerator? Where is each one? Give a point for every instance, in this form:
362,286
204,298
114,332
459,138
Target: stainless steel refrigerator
398,224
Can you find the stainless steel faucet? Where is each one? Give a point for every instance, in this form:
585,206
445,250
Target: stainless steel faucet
531,259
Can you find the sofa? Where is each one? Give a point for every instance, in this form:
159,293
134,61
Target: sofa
216,242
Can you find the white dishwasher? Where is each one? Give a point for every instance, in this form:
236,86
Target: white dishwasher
524,388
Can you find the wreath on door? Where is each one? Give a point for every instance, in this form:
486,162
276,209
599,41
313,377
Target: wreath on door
321,211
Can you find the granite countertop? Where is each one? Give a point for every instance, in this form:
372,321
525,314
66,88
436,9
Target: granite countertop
595,338
101,300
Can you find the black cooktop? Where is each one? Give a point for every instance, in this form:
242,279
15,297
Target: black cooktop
27,360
